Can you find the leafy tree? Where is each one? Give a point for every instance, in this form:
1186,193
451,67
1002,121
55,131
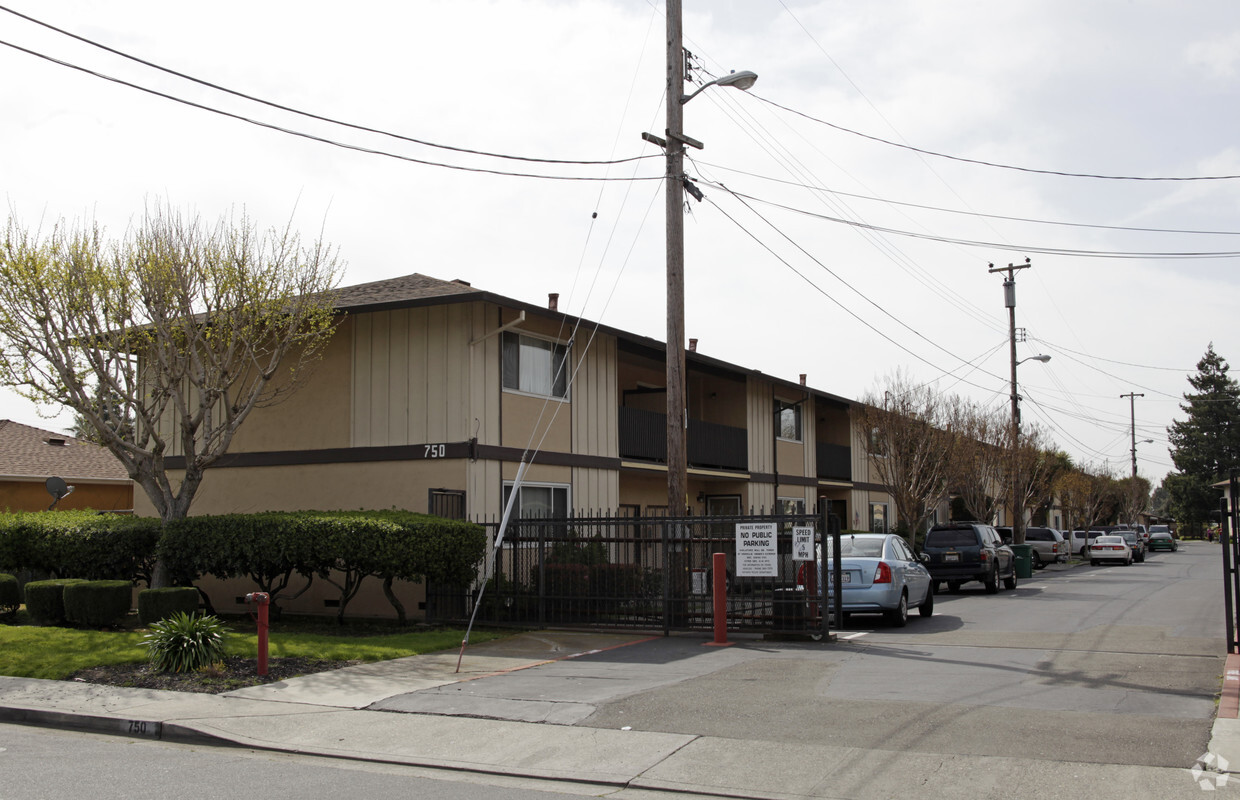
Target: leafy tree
908,436
1084,494
1191,501
1134,498
1206,445
189,327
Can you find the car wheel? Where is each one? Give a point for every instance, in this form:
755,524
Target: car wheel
1093,562
992,581
927,606
1009,582
1083,549
953,586
898,616
935,586
1037,560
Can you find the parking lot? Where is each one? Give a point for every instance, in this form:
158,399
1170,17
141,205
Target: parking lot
1109,665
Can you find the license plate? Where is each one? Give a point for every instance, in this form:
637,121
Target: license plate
846,577
951,556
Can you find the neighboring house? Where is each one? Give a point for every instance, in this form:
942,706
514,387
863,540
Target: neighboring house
431,392
29,456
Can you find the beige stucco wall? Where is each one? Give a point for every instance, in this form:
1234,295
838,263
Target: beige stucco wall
322,487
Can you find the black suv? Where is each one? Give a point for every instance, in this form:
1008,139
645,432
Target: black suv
969,551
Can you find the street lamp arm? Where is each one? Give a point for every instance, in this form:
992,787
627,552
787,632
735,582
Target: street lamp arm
741,80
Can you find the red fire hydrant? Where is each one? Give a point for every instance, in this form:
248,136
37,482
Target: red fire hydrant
261,599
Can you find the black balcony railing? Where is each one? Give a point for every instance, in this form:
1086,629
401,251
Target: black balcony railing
643,435
834,462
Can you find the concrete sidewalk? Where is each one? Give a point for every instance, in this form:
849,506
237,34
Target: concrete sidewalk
333,714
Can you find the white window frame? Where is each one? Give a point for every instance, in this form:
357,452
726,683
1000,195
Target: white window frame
518,510
523,341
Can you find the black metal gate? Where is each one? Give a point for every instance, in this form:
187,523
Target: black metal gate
617,571
1229,522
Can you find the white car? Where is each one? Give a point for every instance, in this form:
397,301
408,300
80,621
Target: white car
1109,548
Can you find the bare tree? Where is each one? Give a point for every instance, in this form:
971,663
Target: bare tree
907,434
1036,463
979,468
187,327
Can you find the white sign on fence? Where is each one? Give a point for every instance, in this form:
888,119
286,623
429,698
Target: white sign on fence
802,544
756,554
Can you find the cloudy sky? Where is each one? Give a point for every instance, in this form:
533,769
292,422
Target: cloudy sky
847,225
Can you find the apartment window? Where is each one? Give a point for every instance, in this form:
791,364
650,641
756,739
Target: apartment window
535,366
539,500
789,415
878,517
790,505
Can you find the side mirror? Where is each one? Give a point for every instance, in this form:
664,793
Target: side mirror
925,558
1007,539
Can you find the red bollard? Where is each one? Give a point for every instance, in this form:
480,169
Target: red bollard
719,599
262,599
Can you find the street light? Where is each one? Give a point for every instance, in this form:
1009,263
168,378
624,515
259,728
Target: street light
741,80
673,148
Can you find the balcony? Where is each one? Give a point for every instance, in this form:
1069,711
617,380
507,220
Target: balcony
834,462
643,436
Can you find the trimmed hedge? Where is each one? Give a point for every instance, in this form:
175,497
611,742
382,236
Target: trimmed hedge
10,594
97,603
45,600
342,547
157,604
84,544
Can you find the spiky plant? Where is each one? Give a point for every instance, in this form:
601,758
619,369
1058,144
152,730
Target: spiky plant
185,642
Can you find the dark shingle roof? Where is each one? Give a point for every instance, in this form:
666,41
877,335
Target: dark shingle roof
26,452
398,290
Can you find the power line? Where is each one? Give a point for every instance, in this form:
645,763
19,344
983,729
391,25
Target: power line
291,110
1108,360
312,137
994,245
992,163
962,212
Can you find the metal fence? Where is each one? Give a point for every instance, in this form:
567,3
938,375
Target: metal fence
614,571
1229,521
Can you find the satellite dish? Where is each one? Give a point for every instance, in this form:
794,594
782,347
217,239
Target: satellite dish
58,489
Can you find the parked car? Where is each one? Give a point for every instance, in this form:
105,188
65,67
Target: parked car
1162,540
1078,542
1145,534
880,575
1135,543
1162,529
969,551
1048,544
1110,547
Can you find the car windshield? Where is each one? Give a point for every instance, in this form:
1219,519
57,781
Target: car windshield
867,547
1130,537
1159,529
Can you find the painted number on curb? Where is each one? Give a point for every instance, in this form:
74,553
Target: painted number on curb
140,728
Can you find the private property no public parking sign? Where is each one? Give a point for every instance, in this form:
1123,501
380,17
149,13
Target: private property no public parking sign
756,555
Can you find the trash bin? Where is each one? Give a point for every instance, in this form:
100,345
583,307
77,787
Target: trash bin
1024,560
789,610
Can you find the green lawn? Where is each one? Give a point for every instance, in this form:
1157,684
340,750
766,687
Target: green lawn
31,651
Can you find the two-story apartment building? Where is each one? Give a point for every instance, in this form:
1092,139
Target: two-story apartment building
432,392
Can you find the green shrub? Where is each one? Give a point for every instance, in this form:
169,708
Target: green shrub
97,603
157,604
10,594
45,600
185,642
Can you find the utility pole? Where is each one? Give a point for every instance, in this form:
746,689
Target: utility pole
1009,300
677,420
1132,408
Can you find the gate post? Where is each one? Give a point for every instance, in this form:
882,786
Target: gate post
1228,572
719,599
